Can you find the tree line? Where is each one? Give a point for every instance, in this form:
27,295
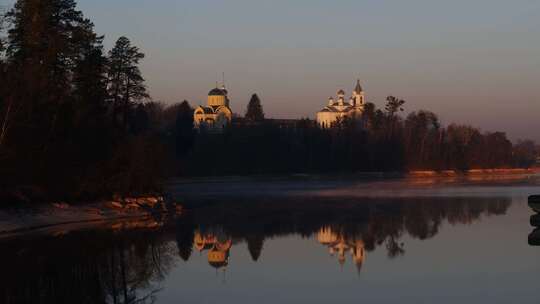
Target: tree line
72,115
77,121
381,140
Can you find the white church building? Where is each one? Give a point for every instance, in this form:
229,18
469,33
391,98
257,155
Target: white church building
217,114
338,109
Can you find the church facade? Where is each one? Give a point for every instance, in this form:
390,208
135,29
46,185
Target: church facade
217,114
338,109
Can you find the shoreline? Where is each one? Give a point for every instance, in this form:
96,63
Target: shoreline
59,218
359,175
472,172
55,219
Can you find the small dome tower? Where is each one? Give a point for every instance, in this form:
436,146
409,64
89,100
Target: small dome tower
341,97
331,101
358,95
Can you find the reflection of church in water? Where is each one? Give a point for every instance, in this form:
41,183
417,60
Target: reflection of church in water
218,245
340,245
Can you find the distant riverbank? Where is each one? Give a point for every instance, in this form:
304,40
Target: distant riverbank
59,218
191,193
474,173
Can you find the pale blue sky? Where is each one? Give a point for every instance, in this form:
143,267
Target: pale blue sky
470,61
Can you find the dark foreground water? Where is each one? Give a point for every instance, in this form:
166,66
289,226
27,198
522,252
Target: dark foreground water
314,242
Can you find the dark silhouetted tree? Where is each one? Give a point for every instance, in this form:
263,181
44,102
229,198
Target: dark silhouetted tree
126,84
55,67
254,110
90,83
185,234
3,25
184,133
393,105
461,140
56,130
43,47
525,153
421,132
140,122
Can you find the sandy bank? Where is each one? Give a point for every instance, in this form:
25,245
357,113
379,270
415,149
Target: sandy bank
60,218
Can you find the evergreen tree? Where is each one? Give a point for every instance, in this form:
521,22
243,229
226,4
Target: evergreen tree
254,110
51,51
126,84
184,128
140,120
3,79
90,79
3,23
90,72
53,116
43,45
43,42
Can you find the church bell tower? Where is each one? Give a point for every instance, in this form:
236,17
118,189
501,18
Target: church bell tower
358,95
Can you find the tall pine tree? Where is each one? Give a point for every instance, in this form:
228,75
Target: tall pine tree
126,84
184,133
43,45
52,116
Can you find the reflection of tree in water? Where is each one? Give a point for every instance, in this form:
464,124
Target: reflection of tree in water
255,245
185,235
85,268
372,222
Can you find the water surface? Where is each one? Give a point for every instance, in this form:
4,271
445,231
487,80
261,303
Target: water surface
297,242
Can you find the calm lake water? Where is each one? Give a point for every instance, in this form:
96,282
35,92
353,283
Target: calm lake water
406,241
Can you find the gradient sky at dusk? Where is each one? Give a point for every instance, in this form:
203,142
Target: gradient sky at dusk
470,61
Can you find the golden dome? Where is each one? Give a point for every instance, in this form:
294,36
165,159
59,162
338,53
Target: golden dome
224,246
199,241
202,242
217,92
218,258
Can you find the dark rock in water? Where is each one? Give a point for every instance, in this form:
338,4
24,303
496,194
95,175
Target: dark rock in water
534,205
535,220
534,199
534,237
